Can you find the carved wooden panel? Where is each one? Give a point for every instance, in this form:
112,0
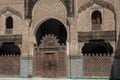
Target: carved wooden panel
49,58
50,65
49,61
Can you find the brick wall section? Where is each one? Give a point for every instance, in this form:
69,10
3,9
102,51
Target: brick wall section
97,66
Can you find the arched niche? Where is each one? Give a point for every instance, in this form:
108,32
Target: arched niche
52,26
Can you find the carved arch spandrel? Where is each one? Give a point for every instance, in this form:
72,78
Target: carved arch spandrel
39,0
101,3
13,11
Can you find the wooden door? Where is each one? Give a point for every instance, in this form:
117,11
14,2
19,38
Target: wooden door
49,65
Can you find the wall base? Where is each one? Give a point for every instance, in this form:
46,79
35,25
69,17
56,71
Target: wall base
75,67
26,65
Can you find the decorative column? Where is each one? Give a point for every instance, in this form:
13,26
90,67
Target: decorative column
115,74
75,60
26,59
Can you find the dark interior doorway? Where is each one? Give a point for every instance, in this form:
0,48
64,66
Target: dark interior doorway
52,26
96,17
9,48
97,47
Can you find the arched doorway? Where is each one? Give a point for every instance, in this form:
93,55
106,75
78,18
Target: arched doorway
52,26
10,59
50,50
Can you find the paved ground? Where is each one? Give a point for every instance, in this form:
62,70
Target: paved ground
31,79
45,79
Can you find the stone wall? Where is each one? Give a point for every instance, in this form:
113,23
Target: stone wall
15,9
84,19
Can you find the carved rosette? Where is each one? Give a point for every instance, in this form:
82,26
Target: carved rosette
49,41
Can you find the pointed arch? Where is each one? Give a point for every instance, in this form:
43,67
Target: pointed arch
9,22
47,27
101,3
13,11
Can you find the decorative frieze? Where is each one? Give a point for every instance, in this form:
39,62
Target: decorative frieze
102,3
13,11
49,44
86,36
11,38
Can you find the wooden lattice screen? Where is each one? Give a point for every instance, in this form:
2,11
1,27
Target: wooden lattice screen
97,66
50,58
10,65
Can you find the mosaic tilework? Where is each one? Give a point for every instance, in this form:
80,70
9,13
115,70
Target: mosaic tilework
74,68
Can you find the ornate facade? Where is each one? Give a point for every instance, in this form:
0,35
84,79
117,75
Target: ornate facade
60,38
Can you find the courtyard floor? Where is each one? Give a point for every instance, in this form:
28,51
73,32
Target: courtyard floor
45,79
